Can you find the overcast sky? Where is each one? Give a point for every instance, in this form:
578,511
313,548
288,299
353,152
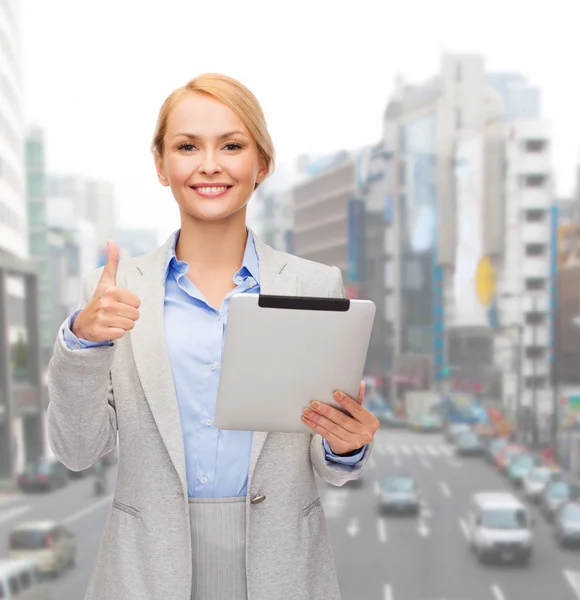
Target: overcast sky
96,73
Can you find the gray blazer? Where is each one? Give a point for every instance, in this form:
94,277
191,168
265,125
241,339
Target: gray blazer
126,391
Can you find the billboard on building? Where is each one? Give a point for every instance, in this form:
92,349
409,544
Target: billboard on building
468,311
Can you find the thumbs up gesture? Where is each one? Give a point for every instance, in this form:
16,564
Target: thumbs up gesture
111,311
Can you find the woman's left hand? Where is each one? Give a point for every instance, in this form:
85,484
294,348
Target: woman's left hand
343,432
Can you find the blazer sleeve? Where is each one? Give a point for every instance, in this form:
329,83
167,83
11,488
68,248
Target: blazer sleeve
81,414
333,472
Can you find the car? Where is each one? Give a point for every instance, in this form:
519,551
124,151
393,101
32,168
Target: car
398,493
535,481
556,493
468,444
378,406
21,580
499,527
506,454
45,474
520,465
426,423
51,544
494,448
453,430
567,524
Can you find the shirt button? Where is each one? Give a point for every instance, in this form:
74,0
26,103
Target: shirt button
212,367
209,422
203,479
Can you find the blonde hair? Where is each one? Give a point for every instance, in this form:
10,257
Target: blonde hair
232,94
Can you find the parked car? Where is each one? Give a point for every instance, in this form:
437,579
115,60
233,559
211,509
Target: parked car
499,527
535,481
52,545
520,465
556,493
455,429
468,444
45,474
567,524
398,493
21,580
506,454
494,448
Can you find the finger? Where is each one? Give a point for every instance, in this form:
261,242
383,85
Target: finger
361,392
346,435
120,309
117,322
126,297
330,437
352,406
338,417
109,275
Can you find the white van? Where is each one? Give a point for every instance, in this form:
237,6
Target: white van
500,527
20,580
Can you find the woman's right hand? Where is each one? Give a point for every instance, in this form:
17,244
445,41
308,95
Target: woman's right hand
111,311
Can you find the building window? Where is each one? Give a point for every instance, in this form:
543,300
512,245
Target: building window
535,353
36,214
534,181
535,318
535,215
535,145
38,243
535,249
535,383
534,284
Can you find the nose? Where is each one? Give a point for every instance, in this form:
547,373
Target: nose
209,165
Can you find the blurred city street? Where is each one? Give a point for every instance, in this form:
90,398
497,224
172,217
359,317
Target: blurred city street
424,557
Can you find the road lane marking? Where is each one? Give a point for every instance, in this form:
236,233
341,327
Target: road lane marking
464,529
432,451
573,578
387,592
454,462
406,450
382,450
446,450
352,528
13,513
397,462
497,593
422,528
419,450
445,489
382,526
425,463
87,510
392,450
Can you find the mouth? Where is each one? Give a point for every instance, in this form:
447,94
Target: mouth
210,191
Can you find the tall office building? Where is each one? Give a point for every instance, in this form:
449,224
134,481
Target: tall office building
21,398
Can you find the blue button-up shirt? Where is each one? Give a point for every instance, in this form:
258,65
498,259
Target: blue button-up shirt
216,460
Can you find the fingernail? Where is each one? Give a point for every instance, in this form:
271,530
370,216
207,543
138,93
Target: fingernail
337,395
315,405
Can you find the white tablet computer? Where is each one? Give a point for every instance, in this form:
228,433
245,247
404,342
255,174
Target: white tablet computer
282,352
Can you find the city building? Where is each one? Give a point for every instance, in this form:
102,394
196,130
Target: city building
21,398
94,201
134,242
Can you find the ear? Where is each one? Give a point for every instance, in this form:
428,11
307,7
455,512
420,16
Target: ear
159,167
262,173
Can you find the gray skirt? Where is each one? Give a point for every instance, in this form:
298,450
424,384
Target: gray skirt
218,542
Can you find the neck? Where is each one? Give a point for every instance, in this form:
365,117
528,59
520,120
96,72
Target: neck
212,246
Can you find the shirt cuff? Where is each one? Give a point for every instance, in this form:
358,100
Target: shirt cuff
342,460
72,341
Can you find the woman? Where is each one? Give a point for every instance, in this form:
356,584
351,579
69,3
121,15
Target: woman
198,512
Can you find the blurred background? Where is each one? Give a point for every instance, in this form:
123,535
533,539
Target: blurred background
431,150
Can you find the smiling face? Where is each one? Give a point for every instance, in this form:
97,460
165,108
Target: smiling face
210,160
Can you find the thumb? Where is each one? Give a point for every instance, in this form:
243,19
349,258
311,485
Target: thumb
109,276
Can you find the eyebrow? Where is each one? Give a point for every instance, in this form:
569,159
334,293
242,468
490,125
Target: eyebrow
223,136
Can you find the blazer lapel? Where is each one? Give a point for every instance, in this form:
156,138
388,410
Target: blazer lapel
152,356
275,281
150,348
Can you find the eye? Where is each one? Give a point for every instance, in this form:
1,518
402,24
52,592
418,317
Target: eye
233,146
185,146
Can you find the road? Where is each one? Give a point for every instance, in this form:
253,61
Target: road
377,558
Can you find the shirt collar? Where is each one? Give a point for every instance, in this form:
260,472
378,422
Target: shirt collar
250,261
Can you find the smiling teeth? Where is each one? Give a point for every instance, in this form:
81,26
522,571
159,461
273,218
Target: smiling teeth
211,190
